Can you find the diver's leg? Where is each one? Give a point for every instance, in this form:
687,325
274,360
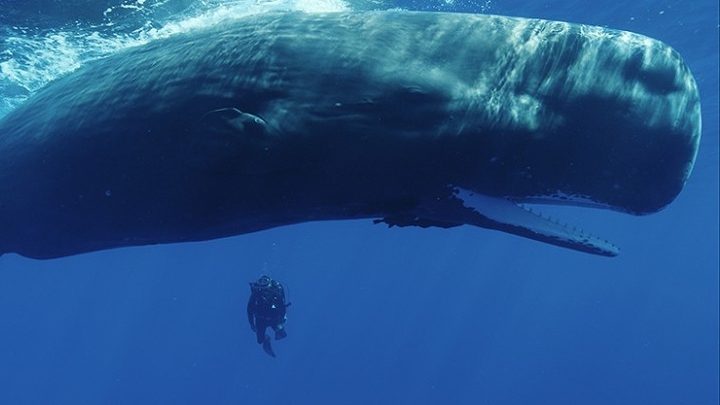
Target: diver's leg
260,331
267,347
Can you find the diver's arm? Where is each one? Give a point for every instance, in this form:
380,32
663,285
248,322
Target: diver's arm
281,291
251,313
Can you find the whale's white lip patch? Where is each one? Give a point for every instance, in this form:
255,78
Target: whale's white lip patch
516,218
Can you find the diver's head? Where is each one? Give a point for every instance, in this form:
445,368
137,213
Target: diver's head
264,281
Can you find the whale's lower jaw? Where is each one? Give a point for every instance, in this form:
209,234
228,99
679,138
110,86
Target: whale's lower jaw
507,216
465,207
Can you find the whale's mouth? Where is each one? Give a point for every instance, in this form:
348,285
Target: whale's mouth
466,207
517,218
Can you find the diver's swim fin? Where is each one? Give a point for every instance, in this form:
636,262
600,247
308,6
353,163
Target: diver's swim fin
267,346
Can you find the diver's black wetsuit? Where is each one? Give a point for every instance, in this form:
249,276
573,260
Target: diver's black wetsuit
266,308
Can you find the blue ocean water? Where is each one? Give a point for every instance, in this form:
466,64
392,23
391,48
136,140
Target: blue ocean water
379,316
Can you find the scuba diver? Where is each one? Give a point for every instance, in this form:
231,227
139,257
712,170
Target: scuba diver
266,308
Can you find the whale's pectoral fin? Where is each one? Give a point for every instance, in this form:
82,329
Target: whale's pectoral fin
466,207
232,120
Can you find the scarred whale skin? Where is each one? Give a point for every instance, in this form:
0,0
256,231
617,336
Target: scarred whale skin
414,119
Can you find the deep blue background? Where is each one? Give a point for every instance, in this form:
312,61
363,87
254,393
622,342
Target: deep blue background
397,316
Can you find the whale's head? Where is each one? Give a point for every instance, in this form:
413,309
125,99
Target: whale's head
613,122
578,116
